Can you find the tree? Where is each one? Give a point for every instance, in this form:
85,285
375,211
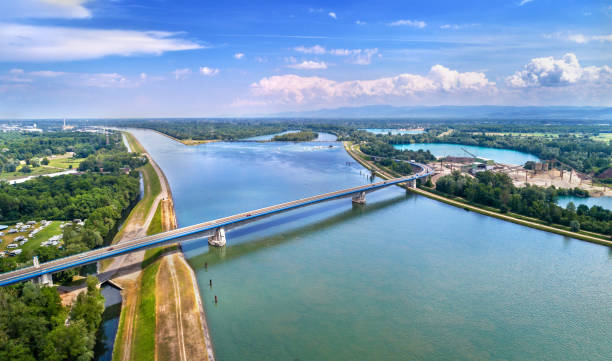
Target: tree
45,161
25,169
575,225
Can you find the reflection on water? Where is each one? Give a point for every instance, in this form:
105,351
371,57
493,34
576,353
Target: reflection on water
398,278
105,338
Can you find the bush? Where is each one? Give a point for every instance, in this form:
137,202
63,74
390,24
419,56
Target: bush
575,226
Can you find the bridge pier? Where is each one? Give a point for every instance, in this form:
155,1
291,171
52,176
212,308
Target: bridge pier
359,198
217,239
411,183
46,279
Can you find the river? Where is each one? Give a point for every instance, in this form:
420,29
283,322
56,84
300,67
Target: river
504,156
403,277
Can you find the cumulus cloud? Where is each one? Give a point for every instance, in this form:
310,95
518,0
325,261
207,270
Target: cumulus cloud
359,22
413,23
356,56
208,71
238,55
292,88
51,43
181,73
332,15
551,72
309,65
523,2
71,9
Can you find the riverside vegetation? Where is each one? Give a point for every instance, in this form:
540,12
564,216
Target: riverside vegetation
34,325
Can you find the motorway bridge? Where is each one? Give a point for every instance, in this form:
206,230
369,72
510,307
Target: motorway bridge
214,229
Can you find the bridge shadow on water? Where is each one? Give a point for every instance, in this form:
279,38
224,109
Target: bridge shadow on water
216,255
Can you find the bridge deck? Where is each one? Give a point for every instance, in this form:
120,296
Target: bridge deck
201,229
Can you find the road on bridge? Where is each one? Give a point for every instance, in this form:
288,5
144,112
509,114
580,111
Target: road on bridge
198,230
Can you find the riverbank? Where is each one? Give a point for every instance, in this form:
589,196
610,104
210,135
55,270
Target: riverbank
157,287
356,154
187,141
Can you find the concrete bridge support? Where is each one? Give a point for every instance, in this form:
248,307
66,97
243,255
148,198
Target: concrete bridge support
217,239
411,183
45,279
359,198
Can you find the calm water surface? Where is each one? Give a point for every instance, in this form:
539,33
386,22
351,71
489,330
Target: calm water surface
605,202
103,351
504,156
401,278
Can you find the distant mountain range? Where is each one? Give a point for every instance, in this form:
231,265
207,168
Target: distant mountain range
457,112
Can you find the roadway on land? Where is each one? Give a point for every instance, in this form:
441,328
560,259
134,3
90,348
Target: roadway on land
197,231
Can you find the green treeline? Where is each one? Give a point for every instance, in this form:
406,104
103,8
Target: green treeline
101,199
580,152
381,149
35,326
301,136
496,190
16,147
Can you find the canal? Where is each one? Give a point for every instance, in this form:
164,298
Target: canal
403,277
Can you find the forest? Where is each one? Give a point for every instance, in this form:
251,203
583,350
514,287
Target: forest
35,326
24,147
496,190
301,136
381,149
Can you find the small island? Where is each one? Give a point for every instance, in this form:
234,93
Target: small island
301,136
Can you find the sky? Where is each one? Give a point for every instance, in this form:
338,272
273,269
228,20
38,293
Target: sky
197,58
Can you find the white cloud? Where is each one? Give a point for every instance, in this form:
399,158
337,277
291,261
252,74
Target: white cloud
359,22
50,43
71,9
457,26
58,78
551,72
578,38
357,56
603,38
292,88
309,65
204,70
523,2
413,23
317,49
181,73
332,15
47,73
143,76
238,55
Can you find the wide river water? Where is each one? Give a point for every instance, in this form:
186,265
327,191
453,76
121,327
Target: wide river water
401,278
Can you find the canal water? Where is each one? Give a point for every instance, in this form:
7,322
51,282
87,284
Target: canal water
505,156
105,339
401,278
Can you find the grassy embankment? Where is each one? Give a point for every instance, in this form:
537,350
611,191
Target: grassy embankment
489,211
143,345
152,188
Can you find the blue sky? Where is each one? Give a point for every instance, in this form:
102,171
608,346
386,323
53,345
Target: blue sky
128,58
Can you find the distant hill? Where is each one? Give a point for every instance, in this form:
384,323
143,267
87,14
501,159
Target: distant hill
457,112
